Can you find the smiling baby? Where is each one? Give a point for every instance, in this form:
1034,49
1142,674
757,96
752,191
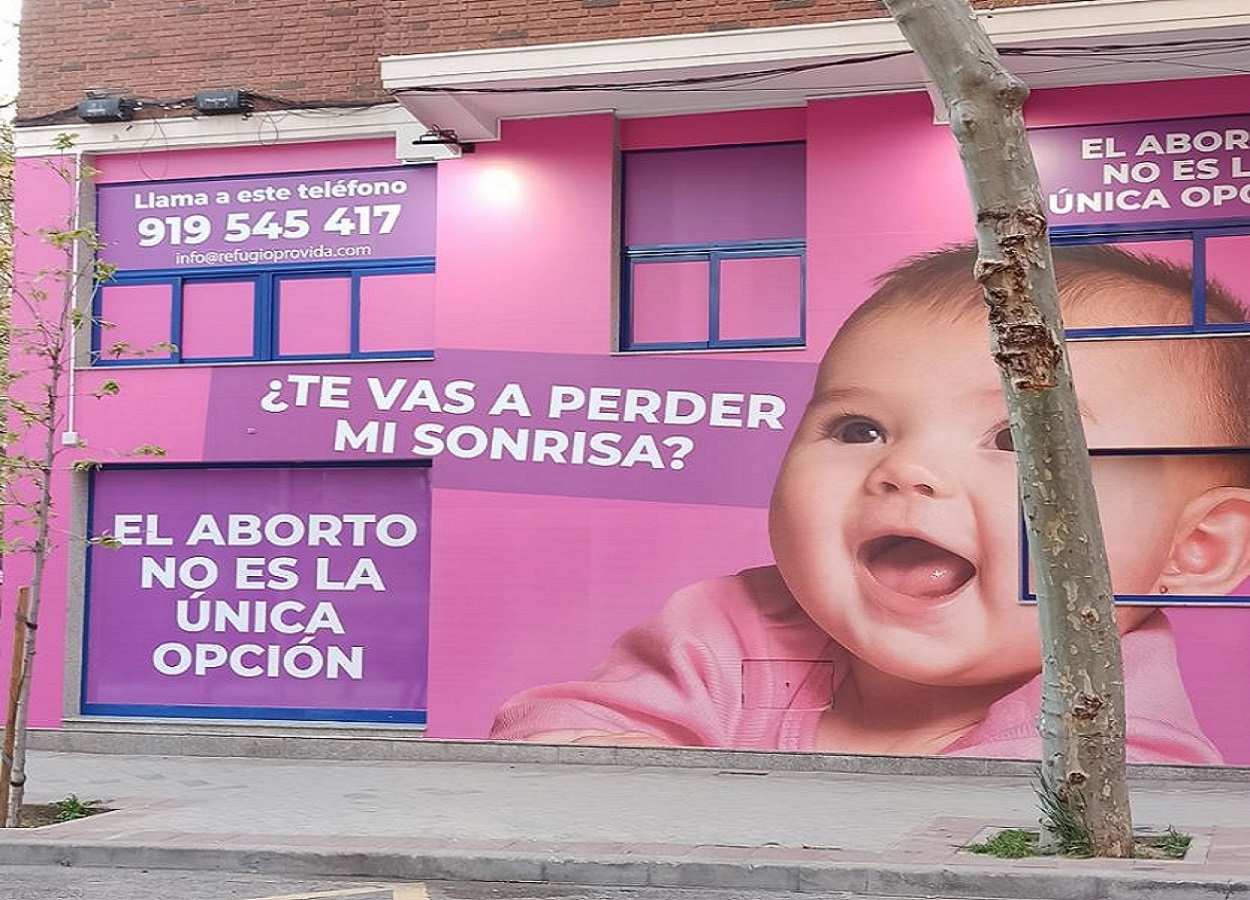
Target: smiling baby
892,622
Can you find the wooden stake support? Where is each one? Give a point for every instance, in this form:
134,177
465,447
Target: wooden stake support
15,683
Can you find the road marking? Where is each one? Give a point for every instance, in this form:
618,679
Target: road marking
346,892
410,892
415,891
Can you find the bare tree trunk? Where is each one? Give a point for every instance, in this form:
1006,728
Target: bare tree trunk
44,336
1082,718
6,470
17,774
48,340
54,351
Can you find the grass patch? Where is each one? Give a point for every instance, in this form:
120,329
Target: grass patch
72,808
37,815
1017,843
1169,845
1014,843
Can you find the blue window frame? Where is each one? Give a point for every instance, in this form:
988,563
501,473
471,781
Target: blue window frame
713,248
1211,252
703,313
383,310
1239,596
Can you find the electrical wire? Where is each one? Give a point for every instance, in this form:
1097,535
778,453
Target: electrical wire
1160,50
69,113
288,103
1097,55
660,83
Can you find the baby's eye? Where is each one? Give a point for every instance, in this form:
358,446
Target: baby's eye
1003,441
857,430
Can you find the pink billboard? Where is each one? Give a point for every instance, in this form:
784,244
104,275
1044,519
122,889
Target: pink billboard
365,214
259,591
889,479
892,620
1174,170
808,544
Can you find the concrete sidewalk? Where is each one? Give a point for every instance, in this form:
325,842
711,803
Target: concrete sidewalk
611,824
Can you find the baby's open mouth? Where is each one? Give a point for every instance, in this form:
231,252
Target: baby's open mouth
915,567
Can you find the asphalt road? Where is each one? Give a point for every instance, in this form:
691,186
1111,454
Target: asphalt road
58,883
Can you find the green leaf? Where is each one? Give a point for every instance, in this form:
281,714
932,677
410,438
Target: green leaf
1011,843
72,808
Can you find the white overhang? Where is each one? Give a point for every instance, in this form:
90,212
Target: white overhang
200,132
471,91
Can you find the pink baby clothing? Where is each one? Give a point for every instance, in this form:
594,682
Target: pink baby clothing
734,662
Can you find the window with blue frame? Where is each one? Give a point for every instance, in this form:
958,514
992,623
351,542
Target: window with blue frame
365,311
1193,362
713,252
1212,253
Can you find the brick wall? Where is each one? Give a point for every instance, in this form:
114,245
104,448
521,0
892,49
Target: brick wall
305,50
464,24
327,50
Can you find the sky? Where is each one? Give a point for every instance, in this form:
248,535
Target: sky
10,12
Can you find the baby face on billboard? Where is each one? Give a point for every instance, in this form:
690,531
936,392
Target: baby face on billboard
895,520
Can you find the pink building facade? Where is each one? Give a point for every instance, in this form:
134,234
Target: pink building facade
435,433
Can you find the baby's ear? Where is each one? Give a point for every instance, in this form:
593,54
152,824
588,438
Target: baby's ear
1211,551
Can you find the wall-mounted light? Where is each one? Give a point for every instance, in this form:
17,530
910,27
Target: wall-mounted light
224,101
107,109
499,187
417,143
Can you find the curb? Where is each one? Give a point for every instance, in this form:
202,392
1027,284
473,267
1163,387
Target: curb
389,744
701,868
